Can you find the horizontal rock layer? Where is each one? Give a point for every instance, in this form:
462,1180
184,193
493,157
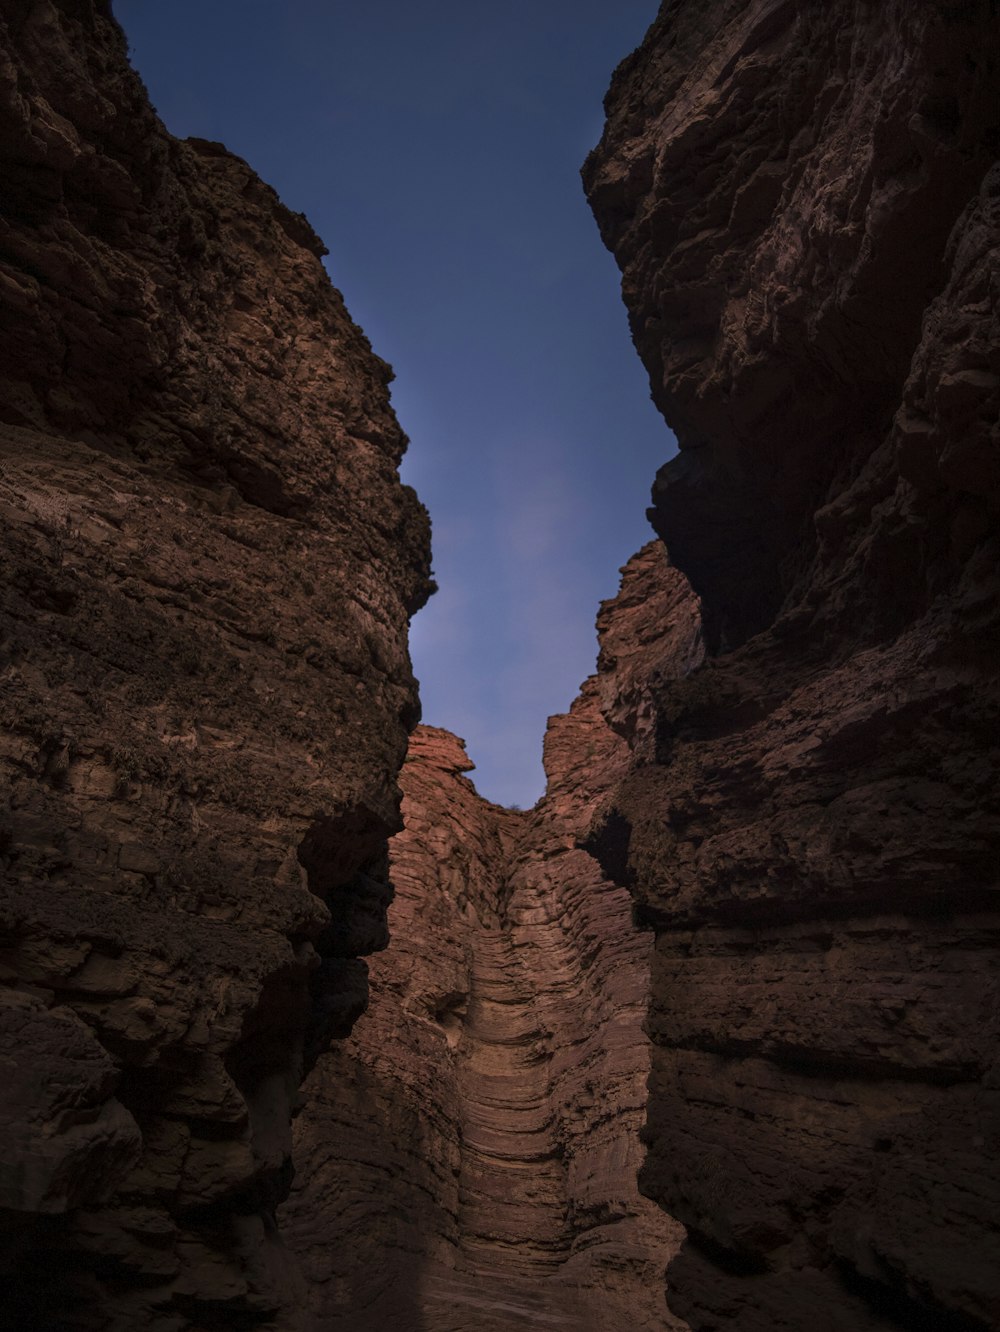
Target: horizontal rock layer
208,567
480,1171
802,202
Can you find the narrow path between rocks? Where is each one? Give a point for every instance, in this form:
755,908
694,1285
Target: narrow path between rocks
475,1143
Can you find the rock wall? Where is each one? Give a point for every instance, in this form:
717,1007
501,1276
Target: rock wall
208,568
803,203
480,1171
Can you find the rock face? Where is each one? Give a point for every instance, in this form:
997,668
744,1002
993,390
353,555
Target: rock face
804,208
208,567
480,1170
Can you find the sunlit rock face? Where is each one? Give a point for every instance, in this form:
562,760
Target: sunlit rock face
208,567
804,208
481,1169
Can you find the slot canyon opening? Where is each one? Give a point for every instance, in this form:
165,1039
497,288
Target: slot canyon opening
700,1032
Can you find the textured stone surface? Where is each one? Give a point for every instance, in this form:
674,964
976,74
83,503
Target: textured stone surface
208,567
802,203
474,1145
778,183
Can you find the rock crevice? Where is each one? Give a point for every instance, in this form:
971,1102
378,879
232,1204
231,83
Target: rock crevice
502,1059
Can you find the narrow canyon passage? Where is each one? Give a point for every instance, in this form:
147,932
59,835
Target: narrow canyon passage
785,769
502,1056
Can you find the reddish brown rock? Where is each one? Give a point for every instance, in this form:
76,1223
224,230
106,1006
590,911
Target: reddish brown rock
649,634
802,204
474,1144
208,567
779,184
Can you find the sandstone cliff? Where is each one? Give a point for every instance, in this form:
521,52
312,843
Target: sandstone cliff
208,567
804,208
473,1146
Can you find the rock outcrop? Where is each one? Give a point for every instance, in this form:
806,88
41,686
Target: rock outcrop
803,203
208,568
480,1169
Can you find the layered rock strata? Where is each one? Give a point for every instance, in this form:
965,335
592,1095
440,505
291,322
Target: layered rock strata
208,568
804,208
480,1169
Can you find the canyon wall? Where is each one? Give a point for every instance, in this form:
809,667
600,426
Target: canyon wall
468,1157
804,205
208,569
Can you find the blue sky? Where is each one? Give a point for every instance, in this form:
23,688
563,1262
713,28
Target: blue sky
436,148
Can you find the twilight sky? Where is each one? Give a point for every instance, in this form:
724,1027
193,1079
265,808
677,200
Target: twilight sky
436,148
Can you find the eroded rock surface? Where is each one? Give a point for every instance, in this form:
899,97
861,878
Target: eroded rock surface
208,567
804,207
480,1172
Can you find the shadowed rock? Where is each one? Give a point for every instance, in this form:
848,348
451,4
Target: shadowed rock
208,567
802,202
